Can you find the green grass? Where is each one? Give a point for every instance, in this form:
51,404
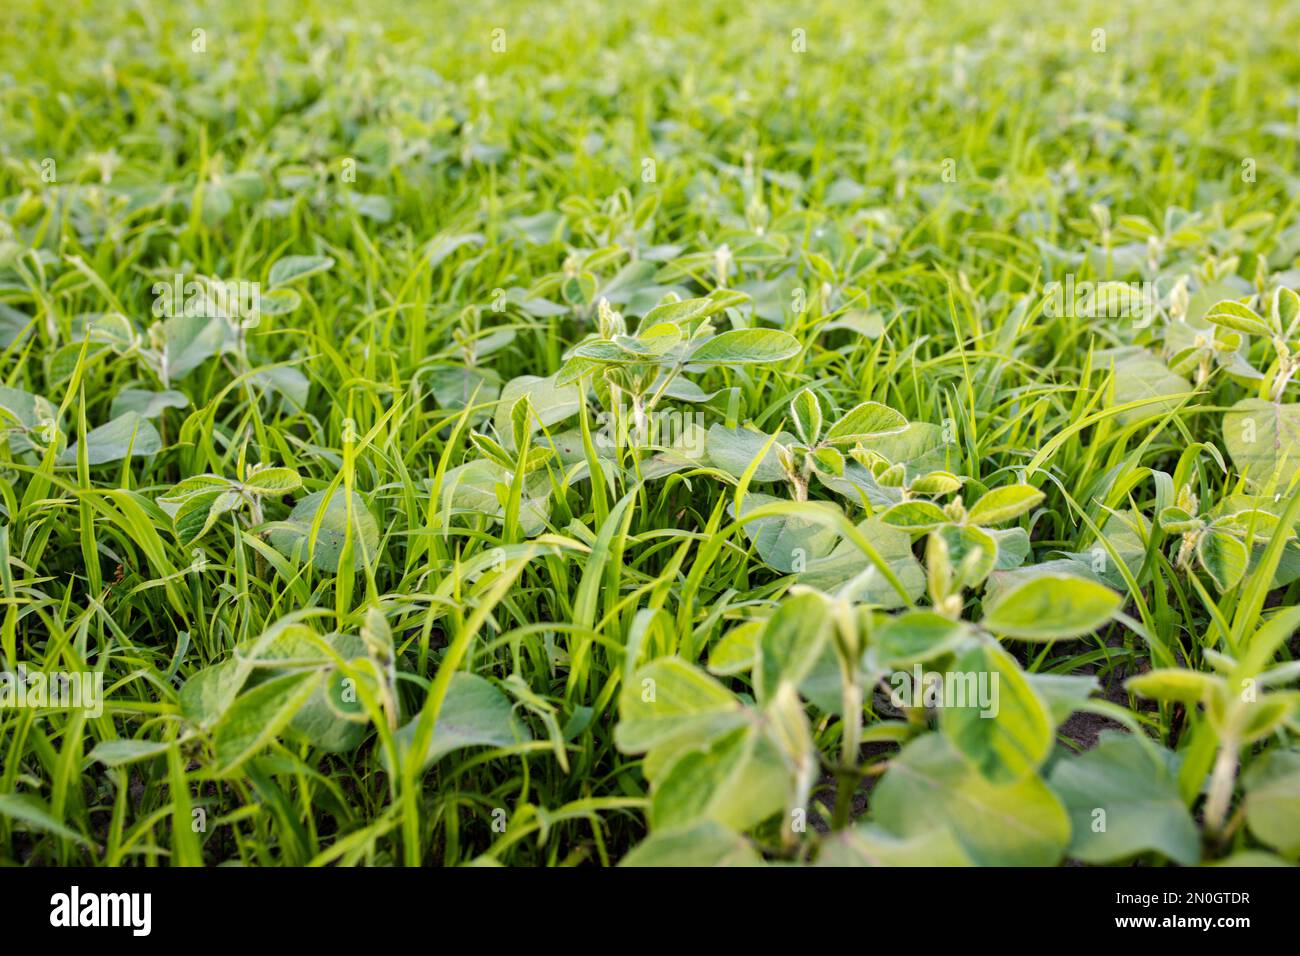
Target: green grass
453,626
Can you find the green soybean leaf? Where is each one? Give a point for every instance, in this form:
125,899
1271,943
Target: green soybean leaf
272,481
929,785
1123,802
1238,317
1051,607
806,413
131,434
1263,439
145,403
746,346
1003,504
789,542
1273,801
258,715
733,449
737,651
914,637
869,845
992,715
669,699
915,516
119,753
475,713
1174,684
737,780
1141,376
791,641
865,422
704,844
189,341
295,268
1224,558
551,403
295,535
198,513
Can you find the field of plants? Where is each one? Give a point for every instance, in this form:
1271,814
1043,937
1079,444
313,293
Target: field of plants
669,433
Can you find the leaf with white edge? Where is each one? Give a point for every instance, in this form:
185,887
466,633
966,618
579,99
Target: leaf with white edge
915,516
806,413
669,700
1175,684
1286,311
936,483
914,637
865,422
295,268
1003,504
746,346
1240,318
273,481
1223,557
679,313
1051,607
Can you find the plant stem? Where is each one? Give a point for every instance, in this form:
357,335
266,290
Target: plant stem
1221,782
851,698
